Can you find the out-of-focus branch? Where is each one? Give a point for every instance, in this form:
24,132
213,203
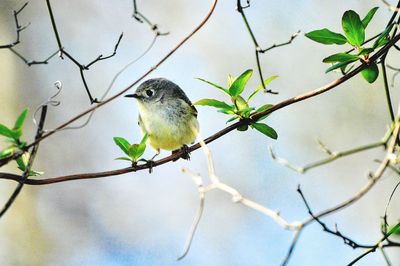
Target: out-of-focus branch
391,7
237,197
332,154
373,178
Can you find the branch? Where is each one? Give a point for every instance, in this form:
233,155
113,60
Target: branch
346,240
372,179
81,67
237,197
18,28
332,154
142,18
33,62
173,157
258,49
375,247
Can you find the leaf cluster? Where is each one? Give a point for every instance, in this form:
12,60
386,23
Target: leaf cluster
354,34
133,151
240,108
13,137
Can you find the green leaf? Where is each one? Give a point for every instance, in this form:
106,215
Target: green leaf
245,112
21,164
326,36
215,85
21,119
340,57
370,73
139,151
136,150
144,138
7,152
35,173
232,118
266,130
263,108
214,103
123,144
383,38
231,79
353,28
5,131
226,111
124,158
240,82
339,65
365,51
16,133
259,88
394,230
369,16
240,103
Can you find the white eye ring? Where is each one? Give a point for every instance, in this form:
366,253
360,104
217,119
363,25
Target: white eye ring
149,92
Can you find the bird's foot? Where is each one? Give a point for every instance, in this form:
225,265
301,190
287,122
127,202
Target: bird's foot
185,153
150,163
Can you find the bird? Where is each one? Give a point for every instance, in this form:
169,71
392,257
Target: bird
167,115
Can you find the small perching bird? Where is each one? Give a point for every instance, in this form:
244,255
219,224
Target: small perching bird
166,115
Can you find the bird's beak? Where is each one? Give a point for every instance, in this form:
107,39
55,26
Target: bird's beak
133,96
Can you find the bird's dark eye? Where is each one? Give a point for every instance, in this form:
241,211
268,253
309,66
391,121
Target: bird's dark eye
149,93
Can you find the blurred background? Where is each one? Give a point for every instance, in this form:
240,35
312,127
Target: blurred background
143,219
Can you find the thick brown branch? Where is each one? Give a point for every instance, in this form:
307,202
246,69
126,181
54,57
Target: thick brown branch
217,135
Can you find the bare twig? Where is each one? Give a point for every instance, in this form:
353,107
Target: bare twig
199,182
82,67
391,7
258,49
346,240
33,62
372,179
142,18
18,28
237,197
332,154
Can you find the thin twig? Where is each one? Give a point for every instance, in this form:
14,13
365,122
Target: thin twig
371,181
34,62
332,155
18,28
346,240
292,246
142,18
81,67
199,182
258,49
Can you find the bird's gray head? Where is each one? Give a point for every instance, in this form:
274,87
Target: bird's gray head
158,90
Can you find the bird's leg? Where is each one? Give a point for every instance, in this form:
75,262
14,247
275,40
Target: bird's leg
150,162
185,153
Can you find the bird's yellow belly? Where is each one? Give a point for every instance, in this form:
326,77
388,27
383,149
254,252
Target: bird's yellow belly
169,135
